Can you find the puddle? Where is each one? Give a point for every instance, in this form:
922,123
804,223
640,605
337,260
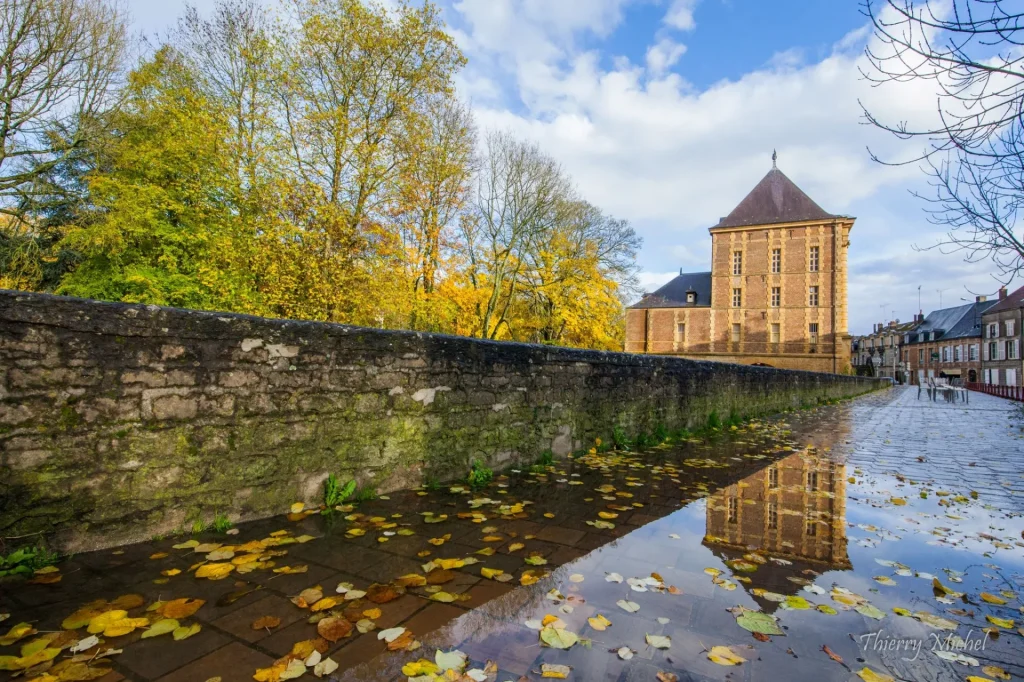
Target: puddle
798,520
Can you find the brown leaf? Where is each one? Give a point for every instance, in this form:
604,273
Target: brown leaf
382,594
761,637
266,622
667,677
403,641
127,602
333,629
180,608
831,654
440,577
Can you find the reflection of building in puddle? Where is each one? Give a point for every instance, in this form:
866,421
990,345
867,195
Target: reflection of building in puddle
793,510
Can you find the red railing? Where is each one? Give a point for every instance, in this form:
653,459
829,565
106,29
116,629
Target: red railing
1008,392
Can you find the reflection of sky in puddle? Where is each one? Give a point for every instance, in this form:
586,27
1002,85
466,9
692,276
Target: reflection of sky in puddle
806,513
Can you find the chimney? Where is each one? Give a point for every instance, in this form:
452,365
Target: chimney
680,271
892,324
1002,293
980,299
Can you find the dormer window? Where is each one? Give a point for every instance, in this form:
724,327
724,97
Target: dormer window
691,296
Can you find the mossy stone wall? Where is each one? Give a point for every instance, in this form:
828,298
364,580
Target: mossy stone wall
118,421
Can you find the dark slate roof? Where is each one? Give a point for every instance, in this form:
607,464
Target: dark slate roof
954,323
673,294
774,200
1011,302
970,323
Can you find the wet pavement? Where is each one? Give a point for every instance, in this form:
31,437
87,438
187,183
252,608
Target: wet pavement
865,533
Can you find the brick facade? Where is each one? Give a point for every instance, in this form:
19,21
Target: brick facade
778,294
1003,328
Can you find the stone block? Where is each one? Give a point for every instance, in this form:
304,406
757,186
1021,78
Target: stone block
175,407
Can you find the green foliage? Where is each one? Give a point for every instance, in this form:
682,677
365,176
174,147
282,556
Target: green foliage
221,524
433,484
335,494
26,560
660,433
622,442
165,194
365,495
643,441
198,527
714,421
479,475
547,458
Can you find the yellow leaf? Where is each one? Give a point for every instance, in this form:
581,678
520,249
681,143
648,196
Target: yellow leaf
214,571
723,655
100,622
326,603
869,675
419,668
17,632
123,626
298,507
186,631
516,546
599,623
161,627
491,573
1001,622
992,599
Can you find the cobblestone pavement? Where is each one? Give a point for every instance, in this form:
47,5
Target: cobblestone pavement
978,445
789,519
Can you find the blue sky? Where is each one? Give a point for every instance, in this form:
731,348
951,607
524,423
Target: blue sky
666,112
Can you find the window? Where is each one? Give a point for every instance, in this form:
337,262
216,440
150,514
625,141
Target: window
737,262
811,527
920,356
814,297
813,332
972,352
775,332
776,260
735,333
680,331
734,509
945,353
773,514
993,330
776,296
1009,327
1011,350
813,264
737,298
691,296
956,353
812,480
773,477
993,350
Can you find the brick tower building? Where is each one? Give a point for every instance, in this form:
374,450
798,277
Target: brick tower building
776,293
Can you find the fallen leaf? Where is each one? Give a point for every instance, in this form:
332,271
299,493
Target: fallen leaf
266,622
333,629
723,655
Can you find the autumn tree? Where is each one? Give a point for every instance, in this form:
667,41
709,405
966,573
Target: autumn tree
60,62
233,57
545,265
969,52
434,185
163,196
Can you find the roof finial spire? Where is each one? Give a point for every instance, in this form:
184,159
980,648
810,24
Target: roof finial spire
775,157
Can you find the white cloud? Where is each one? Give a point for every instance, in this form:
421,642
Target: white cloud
663,55
680,15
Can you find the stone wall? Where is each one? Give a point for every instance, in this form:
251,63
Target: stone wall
121,421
